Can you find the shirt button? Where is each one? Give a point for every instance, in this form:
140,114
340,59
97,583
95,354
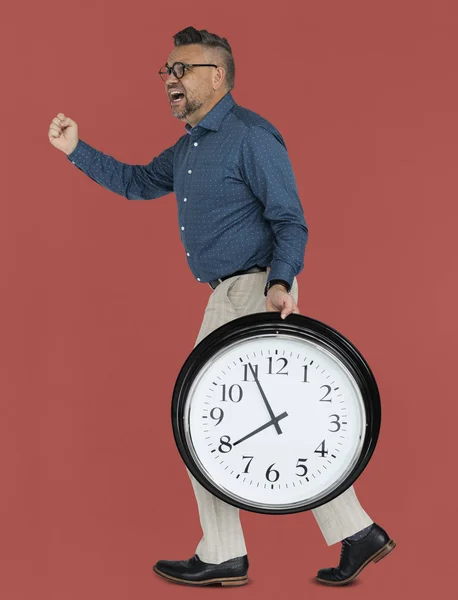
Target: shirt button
198,279
185,200
182,229
187,254
190,171
73,161
196,144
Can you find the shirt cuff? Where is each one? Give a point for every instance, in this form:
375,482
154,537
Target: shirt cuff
281,270
82,155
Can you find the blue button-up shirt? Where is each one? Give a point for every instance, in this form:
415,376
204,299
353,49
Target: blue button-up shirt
238,204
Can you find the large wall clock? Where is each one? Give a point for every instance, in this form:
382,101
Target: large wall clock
276,416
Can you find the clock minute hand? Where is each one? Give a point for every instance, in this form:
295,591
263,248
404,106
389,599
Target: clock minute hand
266,402
274,421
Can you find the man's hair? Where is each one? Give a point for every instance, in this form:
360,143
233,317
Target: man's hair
190,35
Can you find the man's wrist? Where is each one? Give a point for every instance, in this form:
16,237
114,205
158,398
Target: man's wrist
273,282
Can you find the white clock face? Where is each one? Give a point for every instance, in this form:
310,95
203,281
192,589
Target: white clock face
275,421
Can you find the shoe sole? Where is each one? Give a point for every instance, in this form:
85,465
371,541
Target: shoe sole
223,581
384,551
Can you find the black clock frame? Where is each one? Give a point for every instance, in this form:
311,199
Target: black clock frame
256,324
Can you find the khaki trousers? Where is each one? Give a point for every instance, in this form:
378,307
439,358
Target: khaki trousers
222,531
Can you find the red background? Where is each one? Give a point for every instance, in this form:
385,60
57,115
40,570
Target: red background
99,309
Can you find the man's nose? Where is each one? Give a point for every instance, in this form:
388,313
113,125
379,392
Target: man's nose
171,78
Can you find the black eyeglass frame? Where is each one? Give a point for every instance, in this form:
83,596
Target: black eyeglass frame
185,66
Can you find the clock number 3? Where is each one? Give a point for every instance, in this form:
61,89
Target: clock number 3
336,422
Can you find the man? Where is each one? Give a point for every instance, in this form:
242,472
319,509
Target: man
244,233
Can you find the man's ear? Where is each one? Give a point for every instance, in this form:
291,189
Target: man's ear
219,78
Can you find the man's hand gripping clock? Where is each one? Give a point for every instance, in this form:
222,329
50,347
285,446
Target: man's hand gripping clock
278,299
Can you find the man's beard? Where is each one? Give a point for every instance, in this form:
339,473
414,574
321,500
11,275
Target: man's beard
190,107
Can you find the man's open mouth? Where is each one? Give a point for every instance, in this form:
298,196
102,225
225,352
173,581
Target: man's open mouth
176,97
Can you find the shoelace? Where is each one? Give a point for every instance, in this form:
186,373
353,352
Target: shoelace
345,544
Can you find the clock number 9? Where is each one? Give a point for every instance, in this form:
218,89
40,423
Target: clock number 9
214,417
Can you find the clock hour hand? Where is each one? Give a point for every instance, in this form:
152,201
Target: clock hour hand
266,402
274,421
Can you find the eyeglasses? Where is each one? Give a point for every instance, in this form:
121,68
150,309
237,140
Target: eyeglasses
178,69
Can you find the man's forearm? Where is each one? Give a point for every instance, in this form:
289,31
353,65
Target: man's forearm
288,256
134,182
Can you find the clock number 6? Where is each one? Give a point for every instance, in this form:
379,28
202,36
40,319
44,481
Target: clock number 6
274,472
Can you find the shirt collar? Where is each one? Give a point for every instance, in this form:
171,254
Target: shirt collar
215,116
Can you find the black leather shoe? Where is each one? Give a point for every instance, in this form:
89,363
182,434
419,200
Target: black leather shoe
195,572
355,556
